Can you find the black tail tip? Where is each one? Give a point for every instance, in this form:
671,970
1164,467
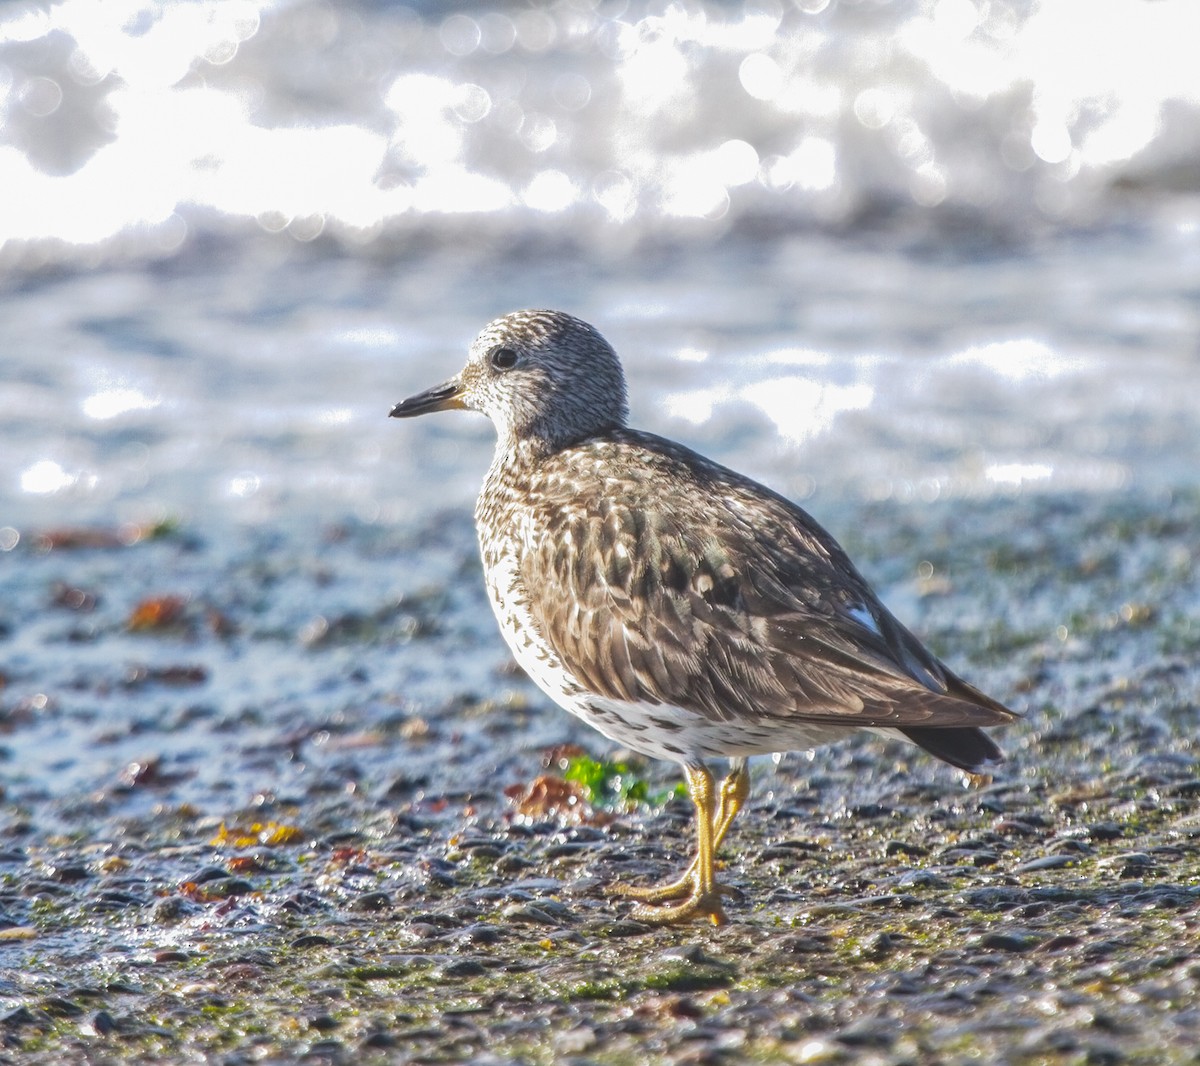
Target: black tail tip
968,749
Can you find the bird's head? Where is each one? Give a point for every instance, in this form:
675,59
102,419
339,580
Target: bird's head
541,376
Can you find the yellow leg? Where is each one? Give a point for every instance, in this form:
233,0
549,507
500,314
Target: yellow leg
697,887
735,790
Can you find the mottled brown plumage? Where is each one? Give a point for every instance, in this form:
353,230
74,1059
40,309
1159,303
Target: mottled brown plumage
677,606
656,598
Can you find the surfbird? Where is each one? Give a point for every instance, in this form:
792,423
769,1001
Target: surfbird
683,610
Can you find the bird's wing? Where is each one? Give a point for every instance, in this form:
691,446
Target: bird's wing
719,597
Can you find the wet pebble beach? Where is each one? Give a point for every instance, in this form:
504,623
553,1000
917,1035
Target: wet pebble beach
272,790
306,814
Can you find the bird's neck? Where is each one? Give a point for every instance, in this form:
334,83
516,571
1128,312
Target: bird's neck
514,465
514,452
532,445
520,460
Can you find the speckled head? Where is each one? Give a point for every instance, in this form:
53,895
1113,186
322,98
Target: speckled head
541,376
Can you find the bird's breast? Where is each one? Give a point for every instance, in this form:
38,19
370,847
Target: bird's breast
504,536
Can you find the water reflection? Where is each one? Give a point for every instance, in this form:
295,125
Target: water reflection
354,118
45,477
875,166
112,402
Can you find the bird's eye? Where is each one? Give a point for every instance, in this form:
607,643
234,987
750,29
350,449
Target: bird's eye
504,358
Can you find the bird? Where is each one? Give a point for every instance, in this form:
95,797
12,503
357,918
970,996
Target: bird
684,610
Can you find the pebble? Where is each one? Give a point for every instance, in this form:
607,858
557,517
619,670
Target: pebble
1008,940
545,912
311,940
868,1033
373,902
1046,862
463,968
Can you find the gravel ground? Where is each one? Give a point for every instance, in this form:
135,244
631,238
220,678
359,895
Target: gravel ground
254,809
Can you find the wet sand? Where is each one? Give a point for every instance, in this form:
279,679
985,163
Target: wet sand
254,809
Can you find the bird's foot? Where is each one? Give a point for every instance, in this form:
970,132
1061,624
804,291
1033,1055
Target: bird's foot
698,891
695,901
699,905
677,889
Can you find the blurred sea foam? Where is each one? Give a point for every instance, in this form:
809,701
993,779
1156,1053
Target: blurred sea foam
131,125
965,232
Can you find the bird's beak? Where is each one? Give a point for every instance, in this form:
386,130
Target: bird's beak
444,397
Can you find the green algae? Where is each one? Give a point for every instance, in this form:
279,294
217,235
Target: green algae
615,785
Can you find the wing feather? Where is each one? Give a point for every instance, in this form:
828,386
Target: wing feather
685,584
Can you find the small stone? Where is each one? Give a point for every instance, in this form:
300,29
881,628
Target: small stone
804,944
625,928
482,933
542,913
865,812
373,901
464,968
1127,860
227,888
562,851
208,873
880,946
58,1007
1012,940
1071,846
69,873
903,847
113,900
1061,943
574,1041
921,879
818,1051
486,852
538,884
172,909
311,940
332,1052
1017,827
1046,862
692,953
867,1033
380,1041
1050,1039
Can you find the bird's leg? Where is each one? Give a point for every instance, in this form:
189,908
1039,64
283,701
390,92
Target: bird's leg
697,888
735,790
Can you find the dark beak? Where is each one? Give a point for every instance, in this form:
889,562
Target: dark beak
444,397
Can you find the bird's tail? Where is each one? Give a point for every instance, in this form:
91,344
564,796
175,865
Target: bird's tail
967,748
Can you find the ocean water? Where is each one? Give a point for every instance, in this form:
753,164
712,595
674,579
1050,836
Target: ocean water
905,251
884,248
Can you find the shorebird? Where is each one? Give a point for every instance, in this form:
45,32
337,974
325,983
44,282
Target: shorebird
682,609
